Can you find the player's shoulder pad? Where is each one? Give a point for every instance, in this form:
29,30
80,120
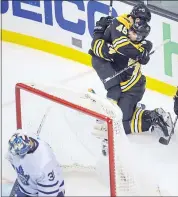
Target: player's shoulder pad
124,20
43,154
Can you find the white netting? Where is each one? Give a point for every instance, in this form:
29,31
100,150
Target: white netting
69,134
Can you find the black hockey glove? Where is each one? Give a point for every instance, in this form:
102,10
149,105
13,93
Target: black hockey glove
176,102
145,57
146,44
101,26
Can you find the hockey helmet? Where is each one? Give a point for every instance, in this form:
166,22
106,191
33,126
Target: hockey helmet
141,11
142,30
19,144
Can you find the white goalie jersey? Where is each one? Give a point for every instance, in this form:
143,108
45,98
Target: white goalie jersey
39,173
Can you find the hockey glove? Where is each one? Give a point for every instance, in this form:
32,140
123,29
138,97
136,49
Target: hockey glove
144,57
101,26
176,102
146,44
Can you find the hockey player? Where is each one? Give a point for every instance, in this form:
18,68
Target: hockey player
38,172
116,43
176,102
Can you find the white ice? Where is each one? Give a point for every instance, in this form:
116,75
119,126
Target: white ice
20,64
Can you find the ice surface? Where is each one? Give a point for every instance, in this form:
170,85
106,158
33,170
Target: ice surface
29,65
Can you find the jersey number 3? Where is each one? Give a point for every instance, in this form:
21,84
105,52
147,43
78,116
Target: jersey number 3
122,29
51,176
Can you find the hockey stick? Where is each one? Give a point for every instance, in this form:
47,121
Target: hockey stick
16,184
165,141
110,7
43,120
133,64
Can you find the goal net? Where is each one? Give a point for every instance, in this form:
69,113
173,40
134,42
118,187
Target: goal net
70,117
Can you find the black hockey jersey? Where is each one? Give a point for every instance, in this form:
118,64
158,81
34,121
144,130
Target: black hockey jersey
116,47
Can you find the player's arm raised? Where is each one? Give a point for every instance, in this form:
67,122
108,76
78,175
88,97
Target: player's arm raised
122,35
99,46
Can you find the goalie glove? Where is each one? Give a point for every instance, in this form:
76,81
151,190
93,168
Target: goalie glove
176,102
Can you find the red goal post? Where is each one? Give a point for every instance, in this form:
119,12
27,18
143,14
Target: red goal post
41,93
129,172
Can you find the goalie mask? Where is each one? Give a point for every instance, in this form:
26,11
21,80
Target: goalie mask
19,144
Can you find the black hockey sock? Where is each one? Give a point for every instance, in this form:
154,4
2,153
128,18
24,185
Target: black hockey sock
139,123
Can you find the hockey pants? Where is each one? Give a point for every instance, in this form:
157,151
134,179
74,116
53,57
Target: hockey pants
105,69
133,117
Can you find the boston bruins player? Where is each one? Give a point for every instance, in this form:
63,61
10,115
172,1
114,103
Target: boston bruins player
116,43
176,102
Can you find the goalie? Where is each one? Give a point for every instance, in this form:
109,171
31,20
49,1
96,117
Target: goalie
117,42
38,172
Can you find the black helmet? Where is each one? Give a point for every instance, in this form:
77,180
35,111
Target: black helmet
141,11
142,30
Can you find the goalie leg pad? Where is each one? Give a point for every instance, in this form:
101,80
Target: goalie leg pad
100,130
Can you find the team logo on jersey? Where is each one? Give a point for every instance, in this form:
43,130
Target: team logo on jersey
23,177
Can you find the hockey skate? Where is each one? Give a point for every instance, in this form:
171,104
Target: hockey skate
161,120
